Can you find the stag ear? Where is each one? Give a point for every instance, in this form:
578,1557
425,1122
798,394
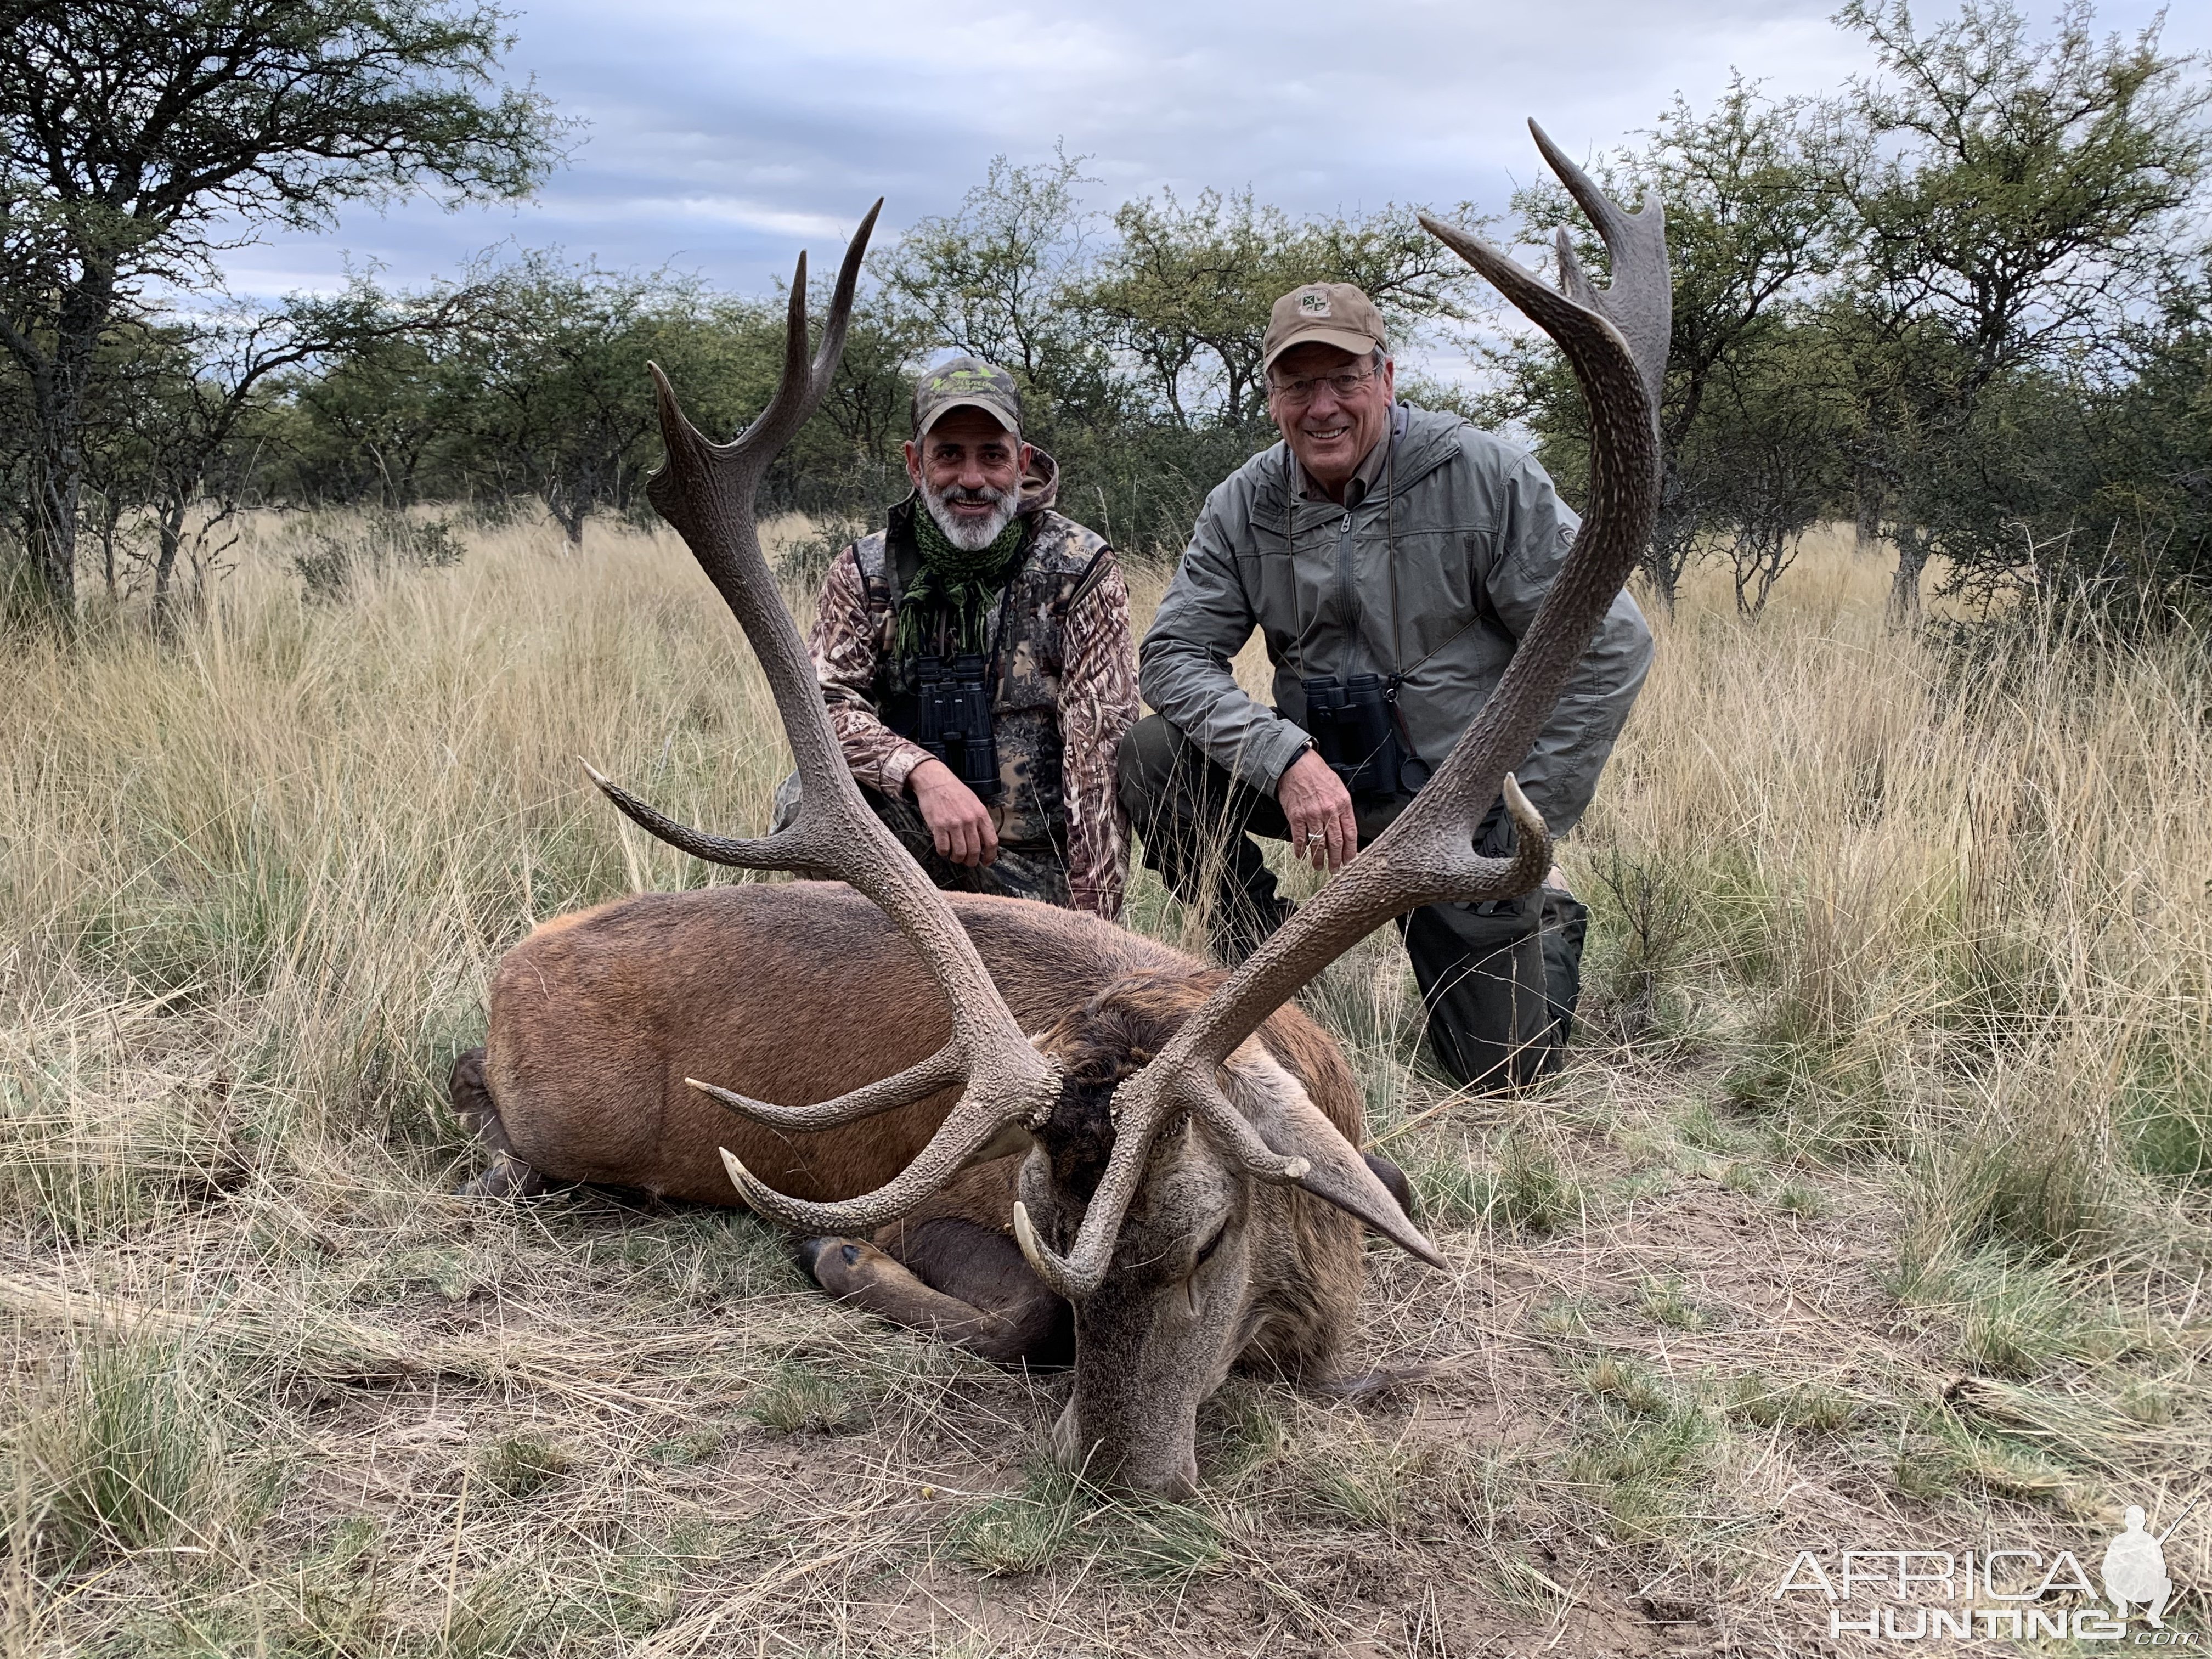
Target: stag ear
1284,1116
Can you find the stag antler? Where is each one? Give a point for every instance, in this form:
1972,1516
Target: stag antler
706,490
1615,339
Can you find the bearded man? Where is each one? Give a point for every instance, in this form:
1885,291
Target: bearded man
1391,558
975,658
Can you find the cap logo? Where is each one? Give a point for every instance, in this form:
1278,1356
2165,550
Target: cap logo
1313,305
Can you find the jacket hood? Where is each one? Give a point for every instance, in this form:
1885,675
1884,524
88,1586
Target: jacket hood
1040,484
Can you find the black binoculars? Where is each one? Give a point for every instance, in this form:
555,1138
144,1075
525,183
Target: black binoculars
1354,723
955,720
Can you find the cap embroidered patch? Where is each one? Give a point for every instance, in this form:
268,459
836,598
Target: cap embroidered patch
1313,305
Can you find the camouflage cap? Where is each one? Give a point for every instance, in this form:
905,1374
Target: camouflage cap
1323,314
966,383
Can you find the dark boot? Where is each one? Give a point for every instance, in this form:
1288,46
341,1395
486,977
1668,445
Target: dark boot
1500,981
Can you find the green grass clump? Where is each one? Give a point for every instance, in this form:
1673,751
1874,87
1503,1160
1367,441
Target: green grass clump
1162,1540
1241,1433
1025,1532
132,1447
1815,1407
2164,1108
2018,1316
1533,1193
797,1397
1626,1385
1639,1461
704,1258
1665,1302
1057,1517
1946,1455
1794,1198
692,1446
523,1464
1365,1482
1450,1189
1526,1191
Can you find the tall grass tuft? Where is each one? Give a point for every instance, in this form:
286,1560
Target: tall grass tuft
130,1447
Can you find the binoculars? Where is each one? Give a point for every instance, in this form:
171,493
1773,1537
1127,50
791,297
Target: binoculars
955,708
1354,723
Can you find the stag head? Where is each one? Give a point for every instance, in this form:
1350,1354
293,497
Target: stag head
1173,1163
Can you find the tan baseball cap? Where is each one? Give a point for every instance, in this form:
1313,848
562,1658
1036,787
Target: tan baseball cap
1323,314
966,383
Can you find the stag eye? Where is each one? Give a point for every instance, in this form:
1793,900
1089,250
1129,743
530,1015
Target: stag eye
1207,1248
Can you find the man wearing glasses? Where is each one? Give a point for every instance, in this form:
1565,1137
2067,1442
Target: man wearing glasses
1391,557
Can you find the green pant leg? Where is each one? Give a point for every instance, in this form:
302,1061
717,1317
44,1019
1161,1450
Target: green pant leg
1195,822
1038,872
1499,980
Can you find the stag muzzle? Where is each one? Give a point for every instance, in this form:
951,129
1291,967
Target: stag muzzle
1159,1335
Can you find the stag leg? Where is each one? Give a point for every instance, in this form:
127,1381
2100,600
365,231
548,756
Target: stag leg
506,1176
955,1280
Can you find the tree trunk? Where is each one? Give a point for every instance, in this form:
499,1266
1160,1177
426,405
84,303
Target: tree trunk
1659,578
165,567
1868,498
1905,582
59,384
569,515
57,480
111,521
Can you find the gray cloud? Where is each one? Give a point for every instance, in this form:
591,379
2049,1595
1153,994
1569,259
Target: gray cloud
722,137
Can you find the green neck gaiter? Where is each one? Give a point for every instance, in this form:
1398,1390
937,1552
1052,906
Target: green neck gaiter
949,607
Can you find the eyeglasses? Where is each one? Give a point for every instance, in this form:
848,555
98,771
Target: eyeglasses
1347,385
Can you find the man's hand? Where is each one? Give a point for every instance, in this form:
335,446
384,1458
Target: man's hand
1320,811
958,822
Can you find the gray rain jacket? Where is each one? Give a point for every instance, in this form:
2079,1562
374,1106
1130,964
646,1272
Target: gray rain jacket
1474,534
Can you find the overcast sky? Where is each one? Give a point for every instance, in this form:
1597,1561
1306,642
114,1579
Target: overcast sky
722,136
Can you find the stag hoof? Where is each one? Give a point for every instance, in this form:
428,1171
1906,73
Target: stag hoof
1394,1178
838,1265
506,1176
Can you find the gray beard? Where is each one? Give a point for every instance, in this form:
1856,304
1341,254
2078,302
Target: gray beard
973,538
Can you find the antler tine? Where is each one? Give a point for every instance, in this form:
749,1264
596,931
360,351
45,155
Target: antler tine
1639,300
706,491
964,1137
806,379
940,1071
1428,854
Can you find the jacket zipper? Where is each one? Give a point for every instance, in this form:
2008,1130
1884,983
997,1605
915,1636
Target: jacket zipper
1347,591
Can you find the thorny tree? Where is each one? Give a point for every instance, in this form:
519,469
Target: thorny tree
2015,218
1752,225
138,138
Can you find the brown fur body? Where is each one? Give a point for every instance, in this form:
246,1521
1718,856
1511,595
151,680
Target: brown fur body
798,991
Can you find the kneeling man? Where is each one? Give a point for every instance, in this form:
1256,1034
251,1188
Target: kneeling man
1391,558
975,658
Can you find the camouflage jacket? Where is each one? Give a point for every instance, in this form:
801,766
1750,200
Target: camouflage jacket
1066,689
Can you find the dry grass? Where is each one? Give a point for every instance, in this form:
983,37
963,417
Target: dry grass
1874,1212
